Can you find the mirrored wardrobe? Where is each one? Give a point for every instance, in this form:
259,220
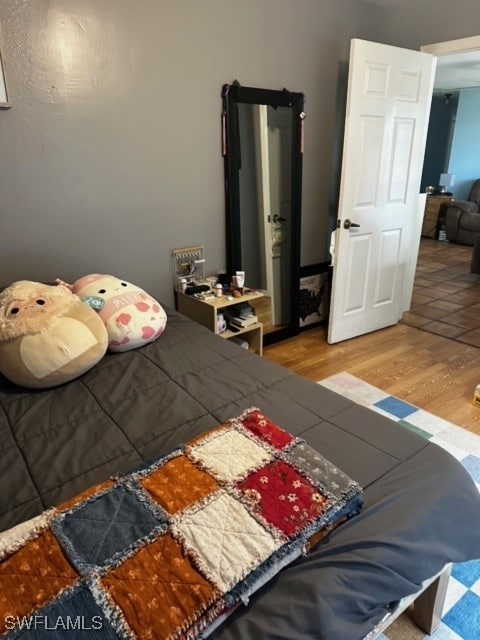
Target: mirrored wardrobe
263,146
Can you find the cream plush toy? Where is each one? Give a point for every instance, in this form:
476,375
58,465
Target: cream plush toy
48,336
132,317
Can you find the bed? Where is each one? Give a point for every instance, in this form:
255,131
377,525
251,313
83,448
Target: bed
421,511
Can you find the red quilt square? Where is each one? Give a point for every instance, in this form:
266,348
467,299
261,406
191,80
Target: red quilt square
264,428
283,497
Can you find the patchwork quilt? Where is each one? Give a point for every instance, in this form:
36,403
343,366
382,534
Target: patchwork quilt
172,548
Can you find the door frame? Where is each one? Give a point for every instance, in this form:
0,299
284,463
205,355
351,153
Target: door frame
461,45
438,49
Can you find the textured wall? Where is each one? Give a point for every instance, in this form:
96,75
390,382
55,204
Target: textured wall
111,150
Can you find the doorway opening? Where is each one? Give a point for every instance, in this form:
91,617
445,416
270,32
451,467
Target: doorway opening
444,267
446,296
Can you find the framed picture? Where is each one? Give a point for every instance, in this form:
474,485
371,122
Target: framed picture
188,264
4,103
314,298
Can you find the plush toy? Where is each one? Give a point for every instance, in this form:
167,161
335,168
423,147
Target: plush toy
132,317
48,336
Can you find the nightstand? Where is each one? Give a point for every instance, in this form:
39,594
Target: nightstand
205,312
434,210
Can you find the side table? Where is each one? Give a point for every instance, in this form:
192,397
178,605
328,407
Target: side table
434,210
205,312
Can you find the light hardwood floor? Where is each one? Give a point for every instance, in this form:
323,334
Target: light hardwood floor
429,371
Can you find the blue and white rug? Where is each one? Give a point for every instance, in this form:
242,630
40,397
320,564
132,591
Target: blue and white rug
461,614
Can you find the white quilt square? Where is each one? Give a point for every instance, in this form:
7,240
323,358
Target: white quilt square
229,454
226,541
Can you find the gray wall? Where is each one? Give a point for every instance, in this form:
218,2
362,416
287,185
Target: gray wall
111,150
413,23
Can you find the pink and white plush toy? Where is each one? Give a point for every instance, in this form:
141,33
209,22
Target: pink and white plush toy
132,317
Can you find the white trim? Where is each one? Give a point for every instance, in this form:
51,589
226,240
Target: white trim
452,46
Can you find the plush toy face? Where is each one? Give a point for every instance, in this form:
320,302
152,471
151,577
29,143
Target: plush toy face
47,335
132,317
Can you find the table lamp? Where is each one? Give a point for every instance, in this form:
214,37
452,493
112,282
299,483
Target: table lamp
446,181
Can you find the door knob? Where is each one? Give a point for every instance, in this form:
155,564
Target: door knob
348,224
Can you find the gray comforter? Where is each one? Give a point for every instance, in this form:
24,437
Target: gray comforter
421,511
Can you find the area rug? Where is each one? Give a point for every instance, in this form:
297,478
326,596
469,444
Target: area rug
461,614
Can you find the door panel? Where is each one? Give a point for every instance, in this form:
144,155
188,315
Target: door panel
409,85
388,105
372,134
388,272
403,134
360,253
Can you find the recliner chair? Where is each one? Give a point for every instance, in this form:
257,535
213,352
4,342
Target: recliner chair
462,217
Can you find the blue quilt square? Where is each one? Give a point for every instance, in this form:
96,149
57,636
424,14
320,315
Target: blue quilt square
75,615
108,525
467,572
464,617
472,465
396,407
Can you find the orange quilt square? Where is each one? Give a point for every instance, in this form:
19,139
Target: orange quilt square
158,590
31,576
178,484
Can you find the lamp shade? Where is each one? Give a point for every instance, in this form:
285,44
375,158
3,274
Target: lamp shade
446,180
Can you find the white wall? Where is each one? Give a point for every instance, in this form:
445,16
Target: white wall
111,150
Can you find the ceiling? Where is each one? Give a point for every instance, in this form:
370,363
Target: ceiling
457,71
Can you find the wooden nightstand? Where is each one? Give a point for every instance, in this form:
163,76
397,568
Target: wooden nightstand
434,210
205,312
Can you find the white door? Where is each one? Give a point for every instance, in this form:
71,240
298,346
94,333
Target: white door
388,105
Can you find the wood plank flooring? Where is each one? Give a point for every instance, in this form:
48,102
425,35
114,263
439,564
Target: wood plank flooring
429,371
